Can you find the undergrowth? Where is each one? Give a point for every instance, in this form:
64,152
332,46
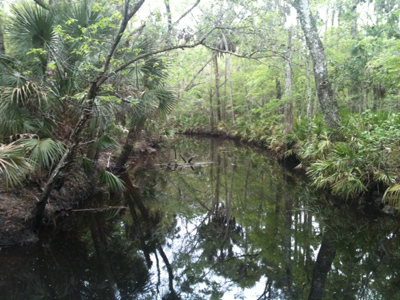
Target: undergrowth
364,157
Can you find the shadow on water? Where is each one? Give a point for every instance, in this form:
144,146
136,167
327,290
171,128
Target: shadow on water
229,224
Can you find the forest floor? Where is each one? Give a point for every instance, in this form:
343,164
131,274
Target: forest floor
17,204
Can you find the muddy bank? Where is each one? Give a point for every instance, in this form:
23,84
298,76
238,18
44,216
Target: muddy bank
15,215
17,208
17,205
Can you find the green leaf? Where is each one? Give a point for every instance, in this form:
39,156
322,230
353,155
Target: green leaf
115,183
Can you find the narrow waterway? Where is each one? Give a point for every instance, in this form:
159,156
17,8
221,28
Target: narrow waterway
207,219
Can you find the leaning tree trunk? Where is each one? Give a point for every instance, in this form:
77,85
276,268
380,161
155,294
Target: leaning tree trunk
323,85
326,255
133,135
62,169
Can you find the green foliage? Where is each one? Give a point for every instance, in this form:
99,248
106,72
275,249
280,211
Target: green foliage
42,154
13,164
113,182
30,32
340,171
392,196
364,158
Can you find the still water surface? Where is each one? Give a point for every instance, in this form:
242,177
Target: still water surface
232,224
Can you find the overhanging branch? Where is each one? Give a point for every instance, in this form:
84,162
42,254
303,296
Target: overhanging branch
251,55
143,56
187,12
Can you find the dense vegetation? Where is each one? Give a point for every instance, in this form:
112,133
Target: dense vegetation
272,96
319,82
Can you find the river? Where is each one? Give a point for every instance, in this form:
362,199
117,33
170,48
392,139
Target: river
230,224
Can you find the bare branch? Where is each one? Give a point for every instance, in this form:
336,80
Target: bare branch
187,12
248,56
191,84
139,57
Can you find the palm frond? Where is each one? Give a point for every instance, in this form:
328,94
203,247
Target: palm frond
167,100
83,17
348,185
107,142
13,165
392,196
44,154
20,95
115,183
30,27
159,100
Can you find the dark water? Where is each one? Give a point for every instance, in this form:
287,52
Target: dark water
235,226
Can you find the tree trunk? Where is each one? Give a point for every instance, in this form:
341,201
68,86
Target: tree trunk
287,242
366,87
93,151
169,18
217,183
288,86
379,95
327,18
323,85
309,96
2,48
228,78
326,254
65,163
278,89
249,113
354,19
62,169
278,94
133,135
217,94
211,111
230,94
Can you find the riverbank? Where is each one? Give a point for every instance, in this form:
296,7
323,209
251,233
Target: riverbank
243,217
360,165
348,169
17,205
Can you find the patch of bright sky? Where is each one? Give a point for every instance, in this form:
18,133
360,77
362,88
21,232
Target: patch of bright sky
365,11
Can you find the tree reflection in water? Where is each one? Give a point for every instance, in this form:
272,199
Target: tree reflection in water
239,228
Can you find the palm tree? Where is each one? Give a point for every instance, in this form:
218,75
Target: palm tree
57,82
151,98
31,34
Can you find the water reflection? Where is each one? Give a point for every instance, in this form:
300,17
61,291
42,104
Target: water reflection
231,224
